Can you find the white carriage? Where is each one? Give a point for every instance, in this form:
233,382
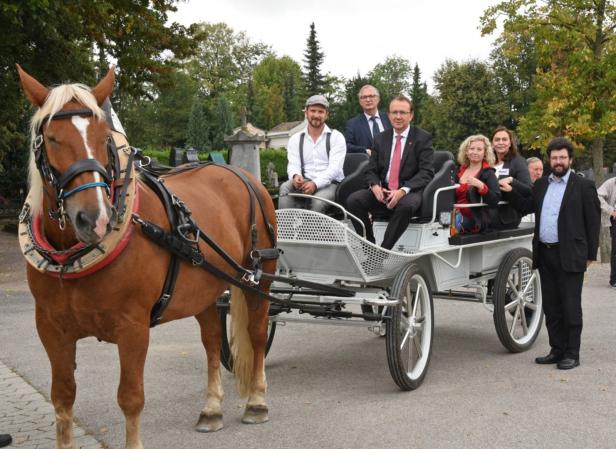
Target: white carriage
391,292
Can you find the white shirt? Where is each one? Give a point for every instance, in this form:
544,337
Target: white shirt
317,166
405,134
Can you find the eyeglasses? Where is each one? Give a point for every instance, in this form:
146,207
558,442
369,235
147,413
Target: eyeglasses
399,112
368,97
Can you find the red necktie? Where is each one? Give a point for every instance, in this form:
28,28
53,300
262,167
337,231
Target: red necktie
394,172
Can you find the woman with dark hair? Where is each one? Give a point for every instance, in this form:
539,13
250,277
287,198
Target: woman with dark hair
510,168
477,184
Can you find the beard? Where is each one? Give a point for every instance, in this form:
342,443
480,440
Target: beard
560,170
315,122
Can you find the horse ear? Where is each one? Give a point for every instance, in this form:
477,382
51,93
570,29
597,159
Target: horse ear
35,91
104,88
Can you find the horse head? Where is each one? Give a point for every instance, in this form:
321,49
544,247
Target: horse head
71,164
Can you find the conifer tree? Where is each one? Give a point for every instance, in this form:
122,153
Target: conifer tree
313,58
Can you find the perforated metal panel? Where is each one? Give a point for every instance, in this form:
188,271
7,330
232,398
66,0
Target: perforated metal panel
318,244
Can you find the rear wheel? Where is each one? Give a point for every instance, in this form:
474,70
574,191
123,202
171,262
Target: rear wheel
517,301
226,358
410,326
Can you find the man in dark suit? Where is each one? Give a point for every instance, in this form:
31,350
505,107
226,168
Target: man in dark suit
359,131
567,222
401,165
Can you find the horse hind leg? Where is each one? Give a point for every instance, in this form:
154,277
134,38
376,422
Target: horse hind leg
133,348
248,342
210,419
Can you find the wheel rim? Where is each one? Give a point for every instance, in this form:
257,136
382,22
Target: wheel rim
415,327
522,301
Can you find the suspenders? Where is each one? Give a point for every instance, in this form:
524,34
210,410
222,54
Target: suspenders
301,148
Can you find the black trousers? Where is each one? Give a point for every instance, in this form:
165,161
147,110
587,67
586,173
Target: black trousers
613,261
562,303
362,202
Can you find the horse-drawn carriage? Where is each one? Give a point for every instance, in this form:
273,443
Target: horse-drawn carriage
112,252
391,292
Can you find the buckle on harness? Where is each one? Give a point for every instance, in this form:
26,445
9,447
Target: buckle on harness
252,278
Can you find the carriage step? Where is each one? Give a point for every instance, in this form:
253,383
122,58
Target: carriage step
381,302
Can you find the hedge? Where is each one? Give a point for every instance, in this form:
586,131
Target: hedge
278,156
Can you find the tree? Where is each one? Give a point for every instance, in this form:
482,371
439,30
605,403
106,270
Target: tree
392,77
575,79
198,133
313,58
419,95
276,81
467,102
221,122
348,104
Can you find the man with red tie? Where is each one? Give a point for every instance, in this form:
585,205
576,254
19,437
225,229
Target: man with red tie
401,165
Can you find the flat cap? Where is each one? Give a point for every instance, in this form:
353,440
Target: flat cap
317,99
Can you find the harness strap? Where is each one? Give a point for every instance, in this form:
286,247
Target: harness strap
81,166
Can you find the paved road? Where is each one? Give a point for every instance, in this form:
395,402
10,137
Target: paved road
329,387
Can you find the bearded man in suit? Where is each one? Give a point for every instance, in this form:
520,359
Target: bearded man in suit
567,222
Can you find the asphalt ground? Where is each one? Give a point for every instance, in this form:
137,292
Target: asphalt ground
329,387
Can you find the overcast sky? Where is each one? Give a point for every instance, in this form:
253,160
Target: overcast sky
355,35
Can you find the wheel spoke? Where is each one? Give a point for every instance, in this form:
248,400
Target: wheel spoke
520,275
531,305
511,305
516,316
530,282
512,286
523,321
417,347
405,338
419,287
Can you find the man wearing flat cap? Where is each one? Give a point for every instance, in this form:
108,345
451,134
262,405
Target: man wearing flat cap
315,160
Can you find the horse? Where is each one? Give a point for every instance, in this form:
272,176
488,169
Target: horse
111,295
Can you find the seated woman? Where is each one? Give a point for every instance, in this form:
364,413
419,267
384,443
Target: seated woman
478,183
511,168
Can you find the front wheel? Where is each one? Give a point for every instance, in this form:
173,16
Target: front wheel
517,301
410,326
226,358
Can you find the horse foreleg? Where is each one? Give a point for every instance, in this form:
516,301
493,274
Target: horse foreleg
256,411
210,419
61,352
133,348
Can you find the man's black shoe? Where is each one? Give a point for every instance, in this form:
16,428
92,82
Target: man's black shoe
5,439
568,363
548,359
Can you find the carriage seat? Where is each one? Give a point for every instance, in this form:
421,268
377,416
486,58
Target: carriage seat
467,239
444,175
355,165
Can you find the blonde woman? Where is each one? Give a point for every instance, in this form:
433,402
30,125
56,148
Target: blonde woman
478,183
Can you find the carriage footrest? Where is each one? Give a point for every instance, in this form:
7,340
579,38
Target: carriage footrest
381,302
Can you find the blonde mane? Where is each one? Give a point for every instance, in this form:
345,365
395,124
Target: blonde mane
57,98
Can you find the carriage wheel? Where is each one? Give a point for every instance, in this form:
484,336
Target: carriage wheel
517,301
226,358
409,328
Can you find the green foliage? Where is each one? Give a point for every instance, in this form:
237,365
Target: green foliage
419,95
198,132
392,77
278,157
574,50
348,104
221,121
277,85
313,58
468,102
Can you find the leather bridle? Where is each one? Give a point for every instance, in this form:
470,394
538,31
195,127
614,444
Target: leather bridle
59,181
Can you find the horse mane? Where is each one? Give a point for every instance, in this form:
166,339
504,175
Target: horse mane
57,98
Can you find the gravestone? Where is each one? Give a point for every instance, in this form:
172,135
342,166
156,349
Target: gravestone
244,151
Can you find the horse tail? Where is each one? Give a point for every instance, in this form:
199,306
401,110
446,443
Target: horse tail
241,345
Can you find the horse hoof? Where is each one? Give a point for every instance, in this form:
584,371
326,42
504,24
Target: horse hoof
255,414
209,423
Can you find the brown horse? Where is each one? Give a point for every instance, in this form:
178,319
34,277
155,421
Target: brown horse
113,302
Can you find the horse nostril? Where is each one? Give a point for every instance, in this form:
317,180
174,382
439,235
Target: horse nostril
84,221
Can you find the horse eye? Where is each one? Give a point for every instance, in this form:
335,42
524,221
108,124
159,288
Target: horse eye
52,139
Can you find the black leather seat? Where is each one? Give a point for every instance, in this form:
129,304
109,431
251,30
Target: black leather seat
444,175
355,165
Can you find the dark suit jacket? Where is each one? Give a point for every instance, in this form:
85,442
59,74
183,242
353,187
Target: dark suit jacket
579,220
416,166
358,135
